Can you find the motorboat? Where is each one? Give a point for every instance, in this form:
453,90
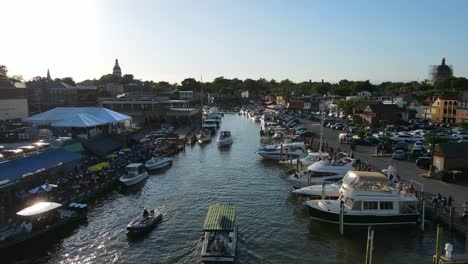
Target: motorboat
283,151
324,171
220,238
256,118
328,190
367,200
224,139
38,220
142,225
135,174
308,160
204,136
209,124
158,163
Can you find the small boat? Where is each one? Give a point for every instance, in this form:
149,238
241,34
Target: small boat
204,136
220,239
209,124
38,220
141,225
135,174
324,171
224,139
367,200
158,163
284,151
307,160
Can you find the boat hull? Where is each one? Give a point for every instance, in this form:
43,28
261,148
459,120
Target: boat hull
224,142
159,165
362,220
142,229
134,180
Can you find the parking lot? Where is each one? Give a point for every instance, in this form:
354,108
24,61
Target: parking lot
406,168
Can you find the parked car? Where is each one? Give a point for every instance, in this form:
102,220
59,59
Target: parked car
424,162
401,146
373,140
399,154
363,142
406,138
419,145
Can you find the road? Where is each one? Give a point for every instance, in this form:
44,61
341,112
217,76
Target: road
407,169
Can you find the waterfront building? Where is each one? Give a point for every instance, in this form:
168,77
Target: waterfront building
116,71
444,109
379,114
13,109
461,115
146,108
451,156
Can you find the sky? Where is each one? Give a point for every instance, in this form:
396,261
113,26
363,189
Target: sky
176,39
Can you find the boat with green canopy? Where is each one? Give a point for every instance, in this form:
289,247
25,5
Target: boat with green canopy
219,241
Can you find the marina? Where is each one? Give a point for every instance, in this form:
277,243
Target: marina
274,225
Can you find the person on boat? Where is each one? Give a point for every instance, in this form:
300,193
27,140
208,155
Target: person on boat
465,210
145,214
411,189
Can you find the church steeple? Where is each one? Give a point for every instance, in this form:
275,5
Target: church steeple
48,75
117,71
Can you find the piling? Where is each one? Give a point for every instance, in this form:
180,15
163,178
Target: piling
438,245
281,153
323,191
466,242
370,245
451,218
341,217
423,214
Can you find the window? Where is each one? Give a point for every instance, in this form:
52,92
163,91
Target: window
371,205
386,205
356,205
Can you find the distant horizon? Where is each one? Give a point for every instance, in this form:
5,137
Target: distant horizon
298,40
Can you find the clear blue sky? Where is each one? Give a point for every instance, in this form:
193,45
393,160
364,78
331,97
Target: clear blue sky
171,40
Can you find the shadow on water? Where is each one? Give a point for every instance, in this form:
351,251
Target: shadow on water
134,189
40,248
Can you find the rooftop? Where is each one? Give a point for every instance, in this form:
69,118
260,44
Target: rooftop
452,150
220,217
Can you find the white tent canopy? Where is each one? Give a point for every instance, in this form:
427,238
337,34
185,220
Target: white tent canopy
38,208
78,117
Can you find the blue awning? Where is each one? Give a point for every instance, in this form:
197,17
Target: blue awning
16,169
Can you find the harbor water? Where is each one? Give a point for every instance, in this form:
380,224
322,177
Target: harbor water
274,226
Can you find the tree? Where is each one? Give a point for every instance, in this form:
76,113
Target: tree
67,80
190,84
127,79
3,72
347,105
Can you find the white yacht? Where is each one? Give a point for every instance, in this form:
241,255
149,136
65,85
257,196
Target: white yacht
308,160
324,171
367,200
135,174
224,139
204,136
158,163
220,239
284,151
328,190
209,124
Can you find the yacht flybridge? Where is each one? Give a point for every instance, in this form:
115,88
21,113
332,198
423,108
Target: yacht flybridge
323,171
367,200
